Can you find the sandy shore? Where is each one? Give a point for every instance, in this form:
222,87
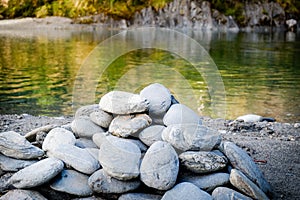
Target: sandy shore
274,146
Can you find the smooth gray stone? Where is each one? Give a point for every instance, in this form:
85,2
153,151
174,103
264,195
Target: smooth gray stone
56,137
79,159
85,143
207,182
160,166
14,145
159,98
244,184
99,138
84,127
85,111
151,134
72,182
8,164
30,136
191,137
254,118
89,198
126,125
223,193
186,191
181,114
119,102
139,196
202,161
4,182
94,152
18,194
120,158
101,118
243,162
101,182
37,173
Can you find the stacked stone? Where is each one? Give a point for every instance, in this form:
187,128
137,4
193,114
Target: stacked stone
130,146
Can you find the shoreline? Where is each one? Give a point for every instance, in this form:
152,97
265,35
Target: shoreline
274,146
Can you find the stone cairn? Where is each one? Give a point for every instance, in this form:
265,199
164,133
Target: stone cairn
130,146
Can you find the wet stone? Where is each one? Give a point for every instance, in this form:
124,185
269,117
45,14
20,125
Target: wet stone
101,118
72,182
186,191
207,182
139,196
126,125
22,194
181,114
8,164
191,137
202,161
151,134
118,102
79,159
243,162
56,137
223,193
84,127
101,182
37,173
244,184
120,158
16,146
160,165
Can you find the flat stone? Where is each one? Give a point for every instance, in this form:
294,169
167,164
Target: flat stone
243,162
207,182
56,137
151,134
224,193
159,98
22,194
202,161
191,137
79,159
85,111
160,165
8,164
186,191
72,182
181,114
244,184
120,158
85,143
118,102
139,196
126,125
37,173
101,118
101,182
84,127
14,145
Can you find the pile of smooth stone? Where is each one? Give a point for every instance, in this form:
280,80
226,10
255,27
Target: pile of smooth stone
130,146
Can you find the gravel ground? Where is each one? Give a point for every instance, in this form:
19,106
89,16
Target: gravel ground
275,147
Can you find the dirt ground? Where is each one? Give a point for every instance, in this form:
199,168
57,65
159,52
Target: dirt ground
275,147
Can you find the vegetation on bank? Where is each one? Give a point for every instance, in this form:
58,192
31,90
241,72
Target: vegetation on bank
118,8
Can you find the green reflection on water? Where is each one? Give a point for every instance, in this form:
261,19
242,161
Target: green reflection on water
261,72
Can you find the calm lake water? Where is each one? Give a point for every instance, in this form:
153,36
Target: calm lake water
48,72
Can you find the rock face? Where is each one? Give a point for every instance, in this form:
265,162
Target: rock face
191,137
118,102
37,174
160,166
182,152
16,146
186,191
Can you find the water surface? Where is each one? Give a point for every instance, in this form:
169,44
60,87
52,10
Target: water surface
260,72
